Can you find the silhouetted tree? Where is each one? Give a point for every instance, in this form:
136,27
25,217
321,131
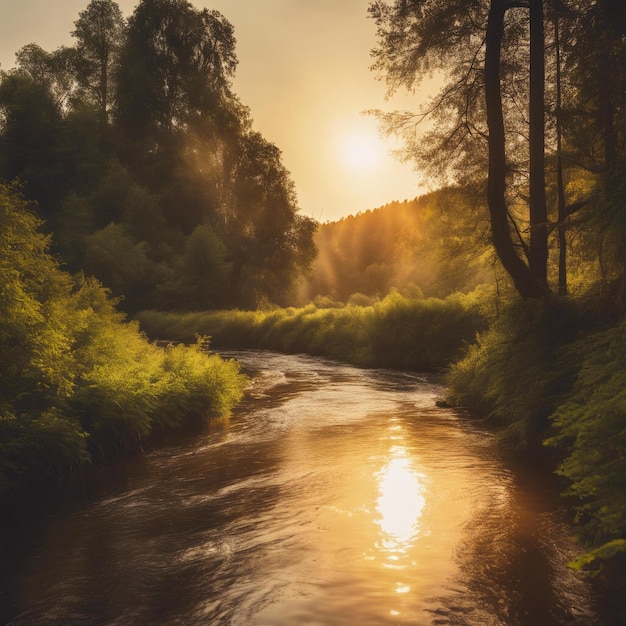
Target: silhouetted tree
482,48
32,140
271,244
175,66
99,31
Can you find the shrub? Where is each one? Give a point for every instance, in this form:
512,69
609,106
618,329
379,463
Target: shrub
76,377
396,332
590,427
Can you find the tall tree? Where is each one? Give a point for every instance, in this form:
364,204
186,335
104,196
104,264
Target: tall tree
99,31
271,243
597,139
175,107
480,47
176,65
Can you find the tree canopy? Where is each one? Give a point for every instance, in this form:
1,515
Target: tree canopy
133,143
497,117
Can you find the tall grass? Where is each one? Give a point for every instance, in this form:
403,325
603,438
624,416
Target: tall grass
397,331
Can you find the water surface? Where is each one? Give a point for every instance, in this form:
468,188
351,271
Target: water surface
332,496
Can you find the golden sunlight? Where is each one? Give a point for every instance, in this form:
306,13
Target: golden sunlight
362,151
359,145
400,502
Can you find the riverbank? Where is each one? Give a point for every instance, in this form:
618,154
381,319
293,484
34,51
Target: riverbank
548,376
80,383
398,332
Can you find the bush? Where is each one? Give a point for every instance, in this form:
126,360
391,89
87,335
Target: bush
590,427
514,374
76,377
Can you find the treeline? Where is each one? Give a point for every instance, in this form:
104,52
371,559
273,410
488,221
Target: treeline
433,246
79,384
144,164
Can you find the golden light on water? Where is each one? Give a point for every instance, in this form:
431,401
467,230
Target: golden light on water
400,502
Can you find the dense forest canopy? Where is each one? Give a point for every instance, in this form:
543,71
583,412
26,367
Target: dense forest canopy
144,163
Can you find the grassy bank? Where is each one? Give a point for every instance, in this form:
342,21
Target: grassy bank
398,332
551,374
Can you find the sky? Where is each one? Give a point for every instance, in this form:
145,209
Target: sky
303,72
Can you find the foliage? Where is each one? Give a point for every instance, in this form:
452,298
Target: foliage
396,332
76,380
99,33
513,374
434,245
591,425
139,155
497,117
547,372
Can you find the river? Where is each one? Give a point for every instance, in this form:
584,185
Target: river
332,496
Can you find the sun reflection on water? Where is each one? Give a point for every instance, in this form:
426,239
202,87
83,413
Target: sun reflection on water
400,503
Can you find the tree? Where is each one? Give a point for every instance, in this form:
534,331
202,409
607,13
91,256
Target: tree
55,70
175,107
480,46
176,65
177,169
596,141
271,243
99,31
32,142
529,277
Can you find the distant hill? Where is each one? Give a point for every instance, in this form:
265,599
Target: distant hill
434,245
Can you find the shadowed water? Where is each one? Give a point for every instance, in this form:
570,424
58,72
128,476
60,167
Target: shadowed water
332,496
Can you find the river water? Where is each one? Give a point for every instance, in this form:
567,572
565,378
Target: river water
332,496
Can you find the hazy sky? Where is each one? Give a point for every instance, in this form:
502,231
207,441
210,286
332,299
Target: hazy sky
303,71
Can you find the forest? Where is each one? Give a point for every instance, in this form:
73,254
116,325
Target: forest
139,202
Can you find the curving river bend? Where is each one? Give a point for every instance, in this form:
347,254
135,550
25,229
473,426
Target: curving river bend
332,496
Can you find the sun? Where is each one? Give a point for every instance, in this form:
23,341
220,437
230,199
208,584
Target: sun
361,148
362,151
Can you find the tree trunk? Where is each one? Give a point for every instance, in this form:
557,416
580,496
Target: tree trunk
538,246
517,269
560,189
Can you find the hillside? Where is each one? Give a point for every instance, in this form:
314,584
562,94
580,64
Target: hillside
433,245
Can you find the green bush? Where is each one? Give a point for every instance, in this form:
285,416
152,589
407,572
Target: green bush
514,373
77,379
590,427
544,375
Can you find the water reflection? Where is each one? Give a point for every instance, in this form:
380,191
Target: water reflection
400,503
333,496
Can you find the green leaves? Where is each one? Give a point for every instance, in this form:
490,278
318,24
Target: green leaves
75,378
591,425
544,377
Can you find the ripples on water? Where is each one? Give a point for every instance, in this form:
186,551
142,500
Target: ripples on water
333,496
